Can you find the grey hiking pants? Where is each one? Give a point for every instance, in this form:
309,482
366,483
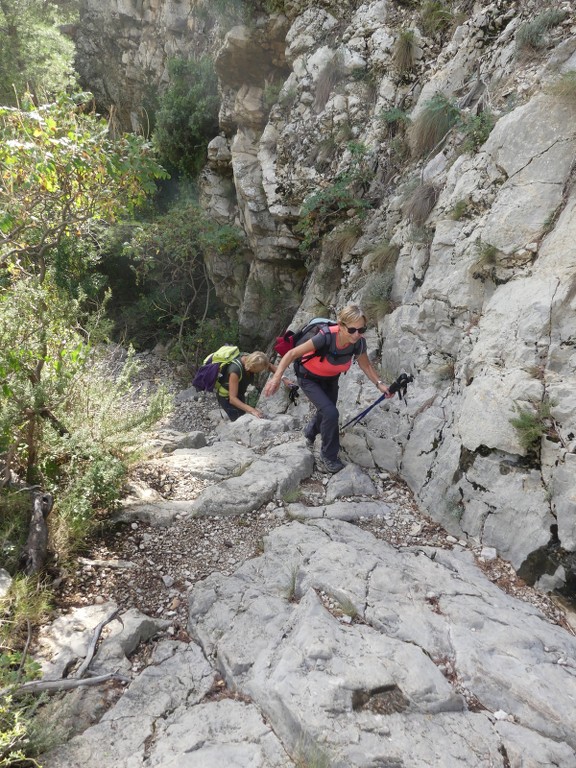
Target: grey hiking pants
323,394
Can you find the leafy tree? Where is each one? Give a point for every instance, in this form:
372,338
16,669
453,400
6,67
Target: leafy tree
188,115
34,54
167,259
60,173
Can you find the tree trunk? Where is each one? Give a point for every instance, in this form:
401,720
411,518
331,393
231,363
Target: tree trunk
33,556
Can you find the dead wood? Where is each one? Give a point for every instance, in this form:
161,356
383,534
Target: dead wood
33,556
82,669
67,684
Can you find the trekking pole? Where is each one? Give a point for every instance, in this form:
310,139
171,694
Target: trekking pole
399,386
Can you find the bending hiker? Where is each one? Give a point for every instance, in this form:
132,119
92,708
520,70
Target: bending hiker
235,379
318,363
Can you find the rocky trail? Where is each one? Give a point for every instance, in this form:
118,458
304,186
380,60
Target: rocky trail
167,560
271,615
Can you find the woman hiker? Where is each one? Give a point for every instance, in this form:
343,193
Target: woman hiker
318,363
235,379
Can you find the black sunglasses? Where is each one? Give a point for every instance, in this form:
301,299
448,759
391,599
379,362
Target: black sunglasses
355,330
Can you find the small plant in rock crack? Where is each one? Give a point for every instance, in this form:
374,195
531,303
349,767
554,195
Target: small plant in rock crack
310,756
460,210
476,129
533,423
455,508
564,88
376,296
347,607
396,120
383,257
342,240
487,253
446,371
331,74
421,202
292,496
435,18
291,590
431,126
404,54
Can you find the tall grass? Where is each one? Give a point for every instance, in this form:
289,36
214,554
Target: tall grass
432,125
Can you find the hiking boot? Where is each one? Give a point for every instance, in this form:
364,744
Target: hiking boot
309,441
331,465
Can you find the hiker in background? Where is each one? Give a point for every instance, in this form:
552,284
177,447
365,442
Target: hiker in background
318,363
235,379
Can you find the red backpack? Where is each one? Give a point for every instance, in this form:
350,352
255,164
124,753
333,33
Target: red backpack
292,339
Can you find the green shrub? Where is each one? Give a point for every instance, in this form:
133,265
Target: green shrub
531,36
460,210
432,125
205,337
85,468
404,53
476,129
323,209
487,253
532,424
270,95
26,604
436,18
13,526
158,274
275,6
188,114
396,119
227,13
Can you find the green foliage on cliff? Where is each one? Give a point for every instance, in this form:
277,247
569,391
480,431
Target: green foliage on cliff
531,36
534,423
188,115
34,54
323,209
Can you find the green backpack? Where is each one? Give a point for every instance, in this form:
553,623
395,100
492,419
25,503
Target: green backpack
208,376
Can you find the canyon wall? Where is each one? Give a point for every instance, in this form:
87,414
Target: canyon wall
460,244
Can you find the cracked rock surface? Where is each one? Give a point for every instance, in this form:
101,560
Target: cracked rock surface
334,624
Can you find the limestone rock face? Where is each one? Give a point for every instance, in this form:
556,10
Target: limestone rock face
478,300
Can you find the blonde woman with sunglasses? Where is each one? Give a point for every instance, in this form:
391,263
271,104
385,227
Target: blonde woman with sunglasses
318,363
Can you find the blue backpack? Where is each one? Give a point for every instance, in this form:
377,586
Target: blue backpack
206,378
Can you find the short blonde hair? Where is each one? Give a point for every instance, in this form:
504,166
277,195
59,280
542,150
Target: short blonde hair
352,315
256,362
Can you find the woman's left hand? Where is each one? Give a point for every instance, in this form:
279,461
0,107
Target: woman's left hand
271,386
383,388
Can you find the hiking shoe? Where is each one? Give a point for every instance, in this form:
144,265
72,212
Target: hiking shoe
331,465
309,441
